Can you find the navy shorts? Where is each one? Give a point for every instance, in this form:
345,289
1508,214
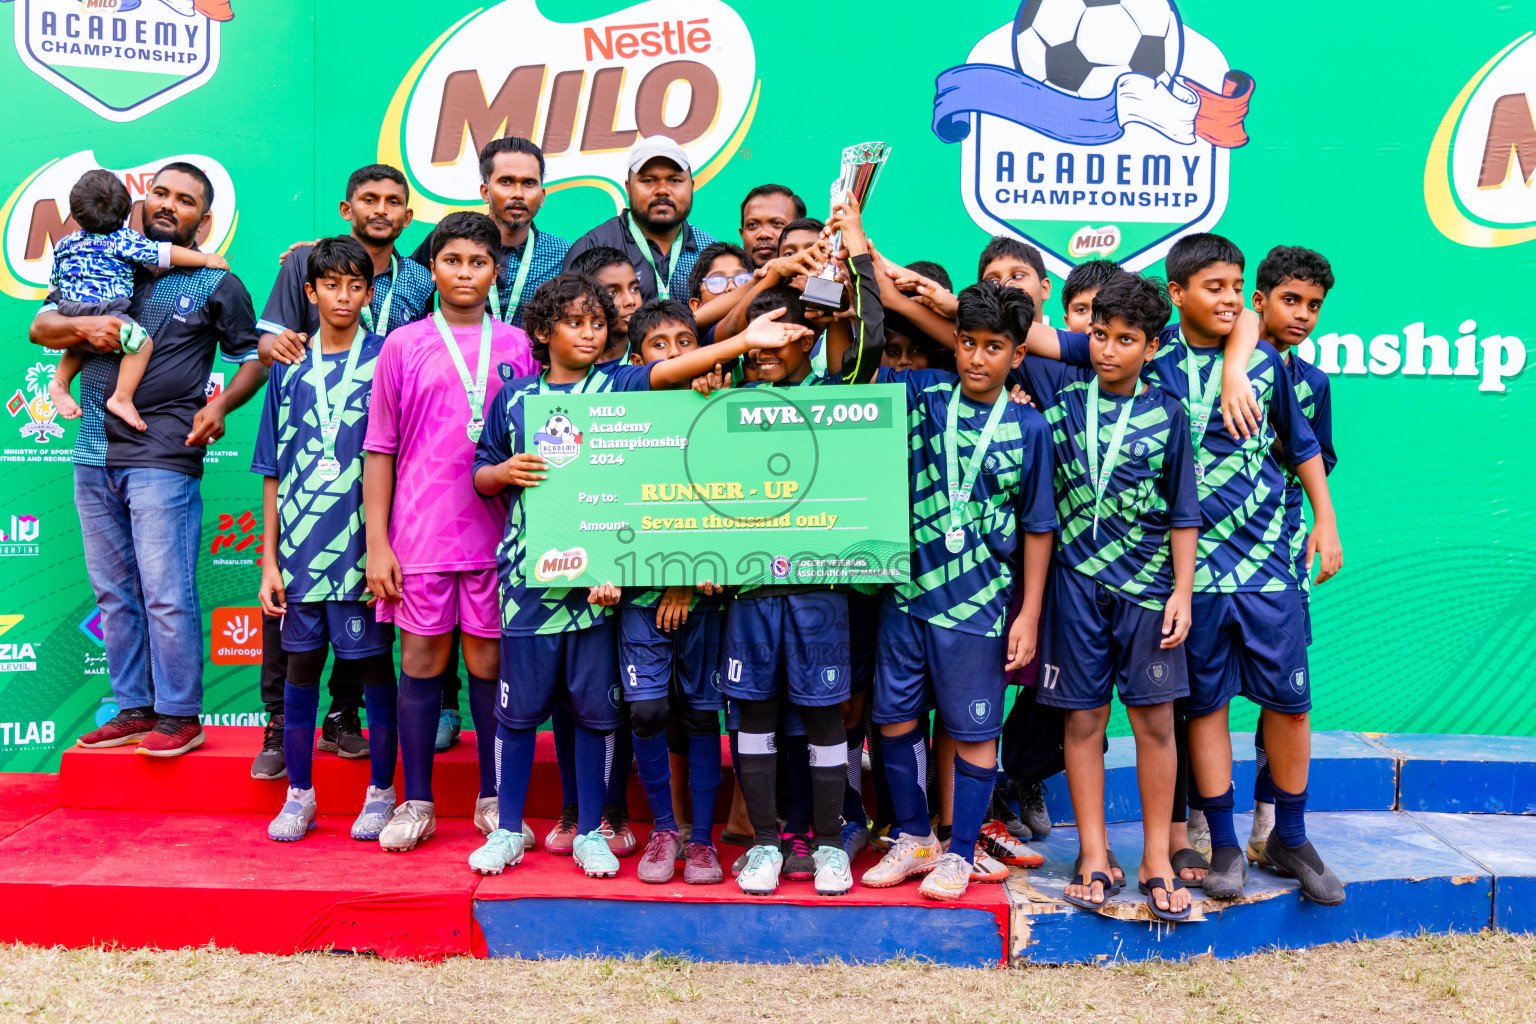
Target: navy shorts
1096,641
1250,643
348,626
795,643
790,722
580,668
920,667
647,657
863,633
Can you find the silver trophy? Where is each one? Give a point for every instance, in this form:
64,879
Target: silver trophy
860,170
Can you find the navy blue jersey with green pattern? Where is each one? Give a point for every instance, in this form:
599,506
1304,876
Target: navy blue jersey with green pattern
969,591
1312,394
1151,488
650,597
288,306
1243,545
321,543
527,611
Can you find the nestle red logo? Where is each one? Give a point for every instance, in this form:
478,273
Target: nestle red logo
649,39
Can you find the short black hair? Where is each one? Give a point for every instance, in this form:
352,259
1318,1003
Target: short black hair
780,295
1141,302
708,255
1007,245
802,224
939,357
194,172
933,272
989,306
599,257
1292,262
1193,253
655,313
773,190
99,202
552,299
376,172
466,224
341,255
510,144
1086,277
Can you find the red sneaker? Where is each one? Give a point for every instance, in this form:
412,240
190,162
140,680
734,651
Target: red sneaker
616,820
127,726
173,736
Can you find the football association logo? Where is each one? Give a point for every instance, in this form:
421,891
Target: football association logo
1094,128
559,442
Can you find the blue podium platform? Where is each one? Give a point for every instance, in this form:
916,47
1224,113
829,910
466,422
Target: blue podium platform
1350,772
1464,774
1506,847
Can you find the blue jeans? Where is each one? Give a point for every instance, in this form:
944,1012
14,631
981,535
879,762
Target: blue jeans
141,529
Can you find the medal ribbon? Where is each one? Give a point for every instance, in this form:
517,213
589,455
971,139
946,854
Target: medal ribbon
330,414
1199,406
1099,480
663,281
960,496
515,296
389,297
474,387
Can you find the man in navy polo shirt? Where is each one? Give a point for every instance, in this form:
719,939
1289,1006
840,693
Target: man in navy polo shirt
653,231
137,493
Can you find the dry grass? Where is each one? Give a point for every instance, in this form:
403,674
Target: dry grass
1487,977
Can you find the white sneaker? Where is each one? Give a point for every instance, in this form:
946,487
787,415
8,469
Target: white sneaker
487,814
833,876
296,818
760,876
502,850
987,868
413,821
1200,834
948,879
378,807
908,856
1258,836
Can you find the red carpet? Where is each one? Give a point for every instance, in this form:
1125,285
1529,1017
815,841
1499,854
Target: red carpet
25,797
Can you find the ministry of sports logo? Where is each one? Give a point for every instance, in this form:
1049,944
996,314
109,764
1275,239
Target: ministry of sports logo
1094,128
121,58
36,214
558,442
32,400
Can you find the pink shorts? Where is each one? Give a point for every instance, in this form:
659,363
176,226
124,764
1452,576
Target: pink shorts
432,603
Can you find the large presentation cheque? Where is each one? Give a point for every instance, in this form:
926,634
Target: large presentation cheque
749,486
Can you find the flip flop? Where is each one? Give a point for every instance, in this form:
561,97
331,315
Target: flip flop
1190,858
1162,883
1083,901
1114,886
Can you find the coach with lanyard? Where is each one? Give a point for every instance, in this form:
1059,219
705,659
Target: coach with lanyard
512,185
654,231
137,493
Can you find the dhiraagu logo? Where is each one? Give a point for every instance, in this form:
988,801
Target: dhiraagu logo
36,214
121,58
1480,176
585,91
1092,127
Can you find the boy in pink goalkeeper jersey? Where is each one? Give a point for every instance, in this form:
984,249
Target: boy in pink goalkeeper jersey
432,539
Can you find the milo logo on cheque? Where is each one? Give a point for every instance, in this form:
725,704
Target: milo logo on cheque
555,564
559,441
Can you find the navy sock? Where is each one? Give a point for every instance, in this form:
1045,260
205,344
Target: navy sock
513,756
797,782
1290,816
973,796
1263,785
420,701
703,783
656,776
564,727
301,706
621,756
853,795
482,711
1218,815
906,769
383,733
594,753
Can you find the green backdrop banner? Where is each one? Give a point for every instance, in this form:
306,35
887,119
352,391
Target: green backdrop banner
1397,138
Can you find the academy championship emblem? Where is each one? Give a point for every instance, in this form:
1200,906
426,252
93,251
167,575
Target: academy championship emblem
121,58
1094,128
559,442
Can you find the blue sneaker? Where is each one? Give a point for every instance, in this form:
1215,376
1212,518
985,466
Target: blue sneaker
378,808
593,856
855,838
448,726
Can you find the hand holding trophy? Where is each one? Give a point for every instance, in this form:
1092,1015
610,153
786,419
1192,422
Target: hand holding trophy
861,166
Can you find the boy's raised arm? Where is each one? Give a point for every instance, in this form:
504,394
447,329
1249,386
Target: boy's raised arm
1240,411
764,332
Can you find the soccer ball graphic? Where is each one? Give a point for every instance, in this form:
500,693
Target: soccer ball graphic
561,427
1081,47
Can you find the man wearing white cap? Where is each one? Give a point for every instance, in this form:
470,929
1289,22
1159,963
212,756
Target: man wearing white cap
653,231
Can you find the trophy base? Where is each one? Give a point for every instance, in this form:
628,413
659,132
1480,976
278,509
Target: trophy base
823,292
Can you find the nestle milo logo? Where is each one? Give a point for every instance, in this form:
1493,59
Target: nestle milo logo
585,91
